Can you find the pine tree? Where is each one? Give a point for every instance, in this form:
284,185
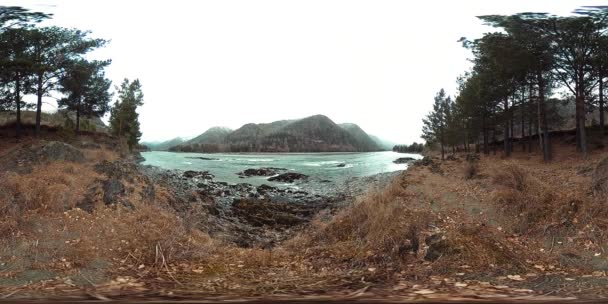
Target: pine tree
86,89
124,121
434,125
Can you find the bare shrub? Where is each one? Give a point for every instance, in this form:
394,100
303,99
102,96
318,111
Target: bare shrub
379,226
479,247
514,177
470,170
532,201
50,187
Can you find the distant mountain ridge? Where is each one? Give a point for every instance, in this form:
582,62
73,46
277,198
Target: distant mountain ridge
382,143
316,133
163,145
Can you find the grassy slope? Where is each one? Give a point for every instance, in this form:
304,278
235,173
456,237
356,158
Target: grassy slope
510,230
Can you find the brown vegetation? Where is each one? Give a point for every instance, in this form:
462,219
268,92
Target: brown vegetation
430,231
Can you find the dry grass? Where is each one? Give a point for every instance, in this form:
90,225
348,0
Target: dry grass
470,170
48,189
392,229
535,204
378,226
40,225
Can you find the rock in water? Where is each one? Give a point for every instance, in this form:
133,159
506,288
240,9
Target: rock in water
58,151
201,158
260,172
288,177
599,180
403,160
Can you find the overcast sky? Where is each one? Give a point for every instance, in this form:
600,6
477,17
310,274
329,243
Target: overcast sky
227,63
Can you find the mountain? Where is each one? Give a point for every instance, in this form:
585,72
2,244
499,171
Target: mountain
215,135
386,145
316,133
363,140
163,145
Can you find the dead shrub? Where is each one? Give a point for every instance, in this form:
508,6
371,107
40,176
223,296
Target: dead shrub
513,176
478,247
49,187
127,238
533,202
380,226
38,208
470,170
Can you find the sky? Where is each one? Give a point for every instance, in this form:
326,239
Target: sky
227,63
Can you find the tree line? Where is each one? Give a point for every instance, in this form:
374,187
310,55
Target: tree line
413,148
50,61
518,71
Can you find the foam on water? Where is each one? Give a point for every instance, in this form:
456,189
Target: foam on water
318,166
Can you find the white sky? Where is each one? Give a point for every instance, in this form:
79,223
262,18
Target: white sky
227,63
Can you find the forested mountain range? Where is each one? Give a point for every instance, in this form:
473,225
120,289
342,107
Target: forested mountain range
316,133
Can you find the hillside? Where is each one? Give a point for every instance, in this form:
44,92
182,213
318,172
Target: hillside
215,135
61,118
362,138
164,145
382,143
316,133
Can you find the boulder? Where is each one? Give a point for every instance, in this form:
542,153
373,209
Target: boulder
112,188
599,179
198,174
118,169
262,189
59,151
260,172
288,177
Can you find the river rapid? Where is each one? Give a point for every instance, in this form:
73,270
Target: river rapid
328,172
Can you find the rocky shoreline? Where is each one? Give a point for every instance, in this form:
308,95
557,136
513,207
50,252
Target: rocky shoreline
251,216
242,214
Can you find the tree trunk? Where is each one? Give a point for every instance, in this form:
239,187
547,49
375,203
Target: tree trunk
580,121
494,141
486,149
511,134
542,112
601,88
523,121
442,149
18,101
38,105
580,113
506,131
78,116
531,117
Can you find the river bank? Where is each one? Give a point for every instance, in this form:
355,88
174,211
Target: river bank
82,221
257,216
